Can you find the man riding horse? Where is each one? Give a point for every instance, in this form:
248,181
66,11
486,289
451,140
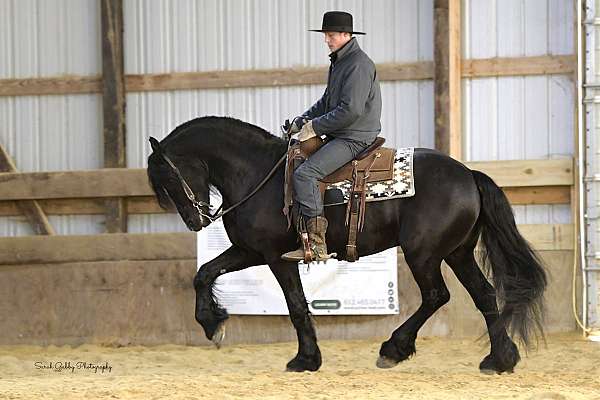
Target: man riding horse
349,115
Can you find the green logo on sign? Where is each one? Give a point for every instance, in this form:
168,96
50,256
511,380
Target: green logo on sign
326,304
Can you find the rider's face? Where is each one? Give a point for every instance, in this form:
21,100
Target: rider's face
335,40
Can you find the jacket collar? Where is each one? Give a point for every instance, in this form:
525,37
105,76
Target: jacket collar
350,47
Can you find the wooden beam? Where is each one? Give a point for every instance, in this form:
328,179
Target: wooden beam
149,205
265,78
471,68
447,81
104,247
133,182
58,85
91,206
107,182
113,101
30,208
178,246
518,173
548,236
538,195
519,66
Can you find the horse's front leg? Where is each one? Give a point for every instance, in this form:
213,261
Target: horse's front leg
309,355
209,313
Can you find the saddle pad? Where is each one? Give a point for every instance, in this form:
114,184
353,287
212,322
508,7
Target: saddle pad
402,185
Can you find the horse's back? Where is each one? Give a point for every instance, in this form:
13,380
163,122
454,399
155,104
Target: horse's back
446,201
437,173
440,215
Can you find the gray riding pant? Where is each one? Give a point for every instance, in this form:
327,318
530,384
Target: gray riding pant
333,155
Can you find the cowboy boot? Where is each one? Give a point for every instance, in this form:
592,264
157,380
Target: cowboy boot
317,227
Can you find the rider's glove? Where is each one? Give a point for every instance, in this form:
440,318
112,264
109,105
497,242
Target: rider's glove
306,132
295,126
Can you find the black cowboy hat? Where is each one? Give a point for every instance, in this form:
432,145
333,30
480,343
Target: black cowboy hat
337,21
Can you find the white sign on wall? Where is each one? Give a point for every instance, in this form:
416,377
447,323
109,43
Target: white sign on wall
368,286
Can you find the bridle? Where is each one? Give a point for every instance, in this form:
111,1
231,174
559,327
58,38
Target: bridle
198,204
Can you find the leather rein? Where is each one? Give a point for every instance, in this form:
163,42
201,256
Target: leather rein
198,204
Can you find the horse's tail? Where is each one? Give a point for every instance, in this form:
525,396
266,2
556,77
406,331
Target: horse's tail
518,274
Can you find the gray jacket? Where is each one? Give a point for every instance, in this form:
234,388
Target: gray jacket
351,105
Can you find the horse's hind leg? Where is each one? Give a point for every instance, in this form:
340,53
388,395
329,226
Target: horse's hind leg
504,354
309,355
434,294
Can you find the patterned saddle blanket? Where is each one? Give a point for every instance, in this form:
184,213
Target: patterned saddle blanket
401,185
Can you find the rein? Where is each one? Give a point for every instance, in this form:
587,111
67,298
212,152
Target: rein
198,204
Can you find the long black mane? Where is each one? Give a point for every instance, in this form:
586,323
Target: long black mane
215,123
250,134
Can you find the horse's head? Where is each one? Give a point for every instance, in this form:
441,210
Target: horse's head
169,183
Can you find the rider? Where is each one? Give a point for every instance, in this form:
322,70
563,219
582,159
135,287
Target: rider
349,115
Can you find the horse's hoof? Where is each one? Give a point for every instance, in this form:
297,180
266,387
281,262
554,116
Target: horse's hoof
304,364
489,367
386,362
486,371
299,367
219,335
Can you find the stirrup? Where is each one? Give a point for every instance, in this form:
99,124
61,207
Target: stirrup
317,258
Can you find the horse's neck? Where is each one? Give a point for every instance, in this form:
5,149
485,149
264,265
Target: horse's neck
237,167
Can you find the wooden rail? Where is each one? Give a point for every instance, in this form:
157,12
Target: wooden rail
102,247
471,68
30,208
83,192
180,246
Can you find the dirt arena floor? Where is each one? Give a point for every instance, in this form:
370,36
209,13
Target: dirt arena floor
568,368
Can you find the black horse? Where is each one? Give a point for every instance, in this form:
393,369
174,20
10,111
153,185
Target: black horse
452,207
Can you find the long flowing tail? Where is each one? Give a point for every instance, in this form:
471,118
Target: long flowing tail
517,272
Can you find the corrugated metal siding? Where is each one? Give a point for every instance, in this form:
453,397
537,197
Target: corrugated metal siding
591,164
168,36
519,117
49,133
62,37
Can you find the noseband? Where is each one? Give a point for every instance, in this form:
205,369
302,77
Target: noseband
198,204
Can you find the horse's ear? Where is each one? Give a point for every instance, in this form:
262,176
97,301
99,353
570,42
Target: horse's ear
155,145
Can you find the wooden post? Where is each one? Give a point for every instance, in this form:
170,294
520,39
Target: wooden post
30,208
113,94
447,81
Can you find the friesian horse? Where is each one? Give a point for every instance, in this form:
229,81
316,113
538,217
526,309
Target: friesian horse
452,207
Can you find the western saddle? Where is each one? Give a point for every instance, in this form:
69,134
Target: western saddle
374,164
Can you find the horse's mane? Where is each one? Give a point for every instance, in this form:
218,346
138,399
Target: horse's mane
217,122
251,133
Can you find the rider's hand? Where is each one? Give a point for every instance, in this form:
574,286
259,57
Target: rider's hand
298,123
307,132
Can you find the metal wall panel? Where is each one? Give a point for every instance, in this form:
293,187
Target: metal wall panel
503,117
519,117
49,38
50,133
169,36
590,181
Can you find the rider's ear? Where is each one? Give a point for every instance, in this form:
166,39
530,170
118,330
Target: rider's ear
155,145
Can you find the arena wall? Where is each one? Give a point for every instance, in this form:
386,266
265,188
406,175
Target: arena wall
517,104
151,302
